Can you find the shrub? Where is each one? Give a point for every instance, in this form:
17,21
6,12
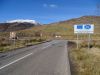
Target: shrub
4,44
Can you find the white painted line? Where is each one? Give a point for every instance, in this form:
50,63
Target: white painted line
46,47
50,45
15,61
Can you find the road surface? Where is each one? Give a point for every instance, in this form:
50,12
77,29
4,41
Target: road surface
49,58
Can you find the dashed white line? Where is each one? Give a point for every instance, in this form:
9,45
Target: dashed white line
15,61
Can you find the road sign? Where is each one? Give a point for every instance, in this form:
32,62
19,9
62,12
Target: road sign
84,28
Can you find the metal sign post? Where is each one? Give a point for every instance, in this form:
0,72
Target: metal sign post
77,41
89,41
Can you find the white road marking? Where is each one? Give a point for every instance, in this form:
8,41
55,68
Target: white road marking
15,61
24,56
50,45
46,47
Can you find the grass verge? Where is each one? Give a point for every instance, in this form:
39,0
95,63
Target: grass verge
84,61
8,46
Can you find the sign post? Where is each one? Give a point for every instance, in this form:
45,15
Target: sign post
89,41
84,29
77,41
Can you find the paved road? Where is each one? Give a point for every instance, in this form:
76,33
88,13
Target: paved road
49,58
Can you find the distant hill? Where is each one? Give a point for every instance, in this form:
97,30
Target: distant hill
16,25
66,27
63,28
83,20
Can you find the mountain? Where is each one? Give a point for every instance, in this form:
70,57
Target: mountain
67,27
63,28
83,20
15,25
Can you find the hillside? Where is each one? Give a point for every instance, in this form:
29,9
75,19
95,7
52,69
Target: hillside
66,27
63,28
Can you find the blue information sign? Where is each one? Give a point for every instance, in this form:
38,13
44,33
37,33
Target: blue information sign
84,28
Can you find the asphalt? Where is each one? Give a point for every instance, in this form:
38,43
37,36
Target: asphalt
49,58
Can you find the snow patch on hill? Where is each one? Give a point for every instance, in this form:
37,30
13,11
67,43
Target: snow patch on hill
22,21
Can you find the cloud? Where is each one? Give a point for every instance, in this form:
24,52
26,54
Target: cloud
53,6
45,5
50,5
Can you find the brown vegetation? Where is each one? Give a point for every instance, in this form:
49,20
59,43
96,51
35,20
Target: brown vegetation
84,61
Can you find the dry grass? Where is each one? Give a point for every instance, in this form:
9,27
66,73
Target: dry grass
84,61
11,45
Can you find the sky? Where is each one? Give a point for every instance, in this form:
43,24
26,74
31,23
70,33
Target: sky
46,11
